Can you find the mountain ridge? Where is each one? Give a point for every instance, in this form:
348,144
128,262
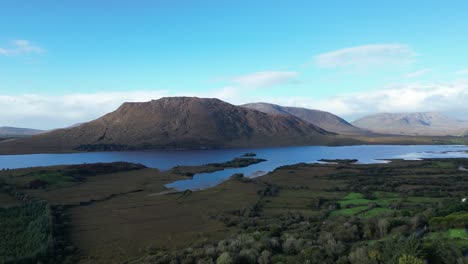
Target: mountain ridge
323,119
177,123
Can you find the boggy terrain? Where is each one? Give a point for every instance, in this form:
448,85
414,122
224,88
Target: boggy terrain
401,212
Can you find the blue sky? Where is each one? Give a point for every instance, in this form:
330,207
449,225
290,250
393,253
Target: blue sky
63,62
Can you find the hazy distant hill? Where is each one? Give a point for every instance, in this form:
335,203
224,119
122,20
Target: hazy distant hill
425,123
325,120
176,123
18,132
465,134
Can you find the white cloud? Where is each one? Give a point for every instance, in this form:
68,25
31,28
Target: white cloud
418,73
449,98
265,79
366,56
462,72
411,97
20,46
40,111
46,112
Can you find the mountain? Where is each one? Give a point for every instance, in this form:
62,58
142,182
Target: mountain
465,134
424,123
176,123
325,120
6,132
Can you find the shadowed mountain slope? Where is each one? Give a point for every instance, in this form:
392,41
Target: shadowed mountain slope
325,120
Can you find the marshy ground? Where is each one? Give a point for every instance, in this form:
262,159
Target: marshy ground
327,213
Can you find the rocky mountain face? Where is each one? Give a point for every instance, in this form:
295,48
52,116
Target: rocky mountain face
424,123
176,123
325,120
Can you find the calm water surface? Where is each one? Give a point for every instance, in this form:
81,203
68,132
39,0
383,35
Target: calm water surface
276,157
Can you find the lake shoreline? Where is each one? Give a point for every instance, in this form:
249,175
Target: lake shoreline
339,141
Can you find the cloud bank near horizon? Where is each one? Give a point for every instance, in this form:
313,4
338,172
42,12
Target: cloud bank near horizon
47,112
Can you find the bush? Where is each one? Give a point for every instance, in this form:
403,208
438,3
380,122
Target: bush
247,256
265,257
359,256
408,259
224,258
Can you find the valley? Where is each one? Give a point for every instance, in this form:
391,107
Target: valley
321,213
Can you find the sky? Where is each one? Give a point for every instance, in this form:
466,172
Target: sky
67,62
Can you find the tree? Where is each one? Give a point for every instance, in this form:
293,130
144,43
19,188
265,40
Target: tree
443,252
383,225
359,256
265,257
394,249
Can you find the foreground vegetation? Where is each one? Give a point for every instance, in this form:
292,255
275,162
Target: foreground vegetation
25,232
31,230
404,212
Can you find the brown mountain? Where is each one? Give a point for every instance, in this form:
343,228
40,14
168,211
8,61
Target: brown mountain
424,123
325,120
175,123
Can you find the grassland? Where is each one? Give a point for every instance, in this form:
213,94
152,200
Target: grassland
315,213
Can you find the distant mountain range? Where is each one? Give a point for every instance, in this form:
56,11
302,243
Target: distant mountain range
201,123
424,123
177,123
325,120
6,132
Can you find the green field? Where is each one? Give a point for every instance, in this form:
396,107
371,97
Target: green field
458,233
350,211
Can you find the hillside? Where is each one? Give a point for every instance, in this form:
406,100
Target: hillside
175,123
18,132
325,120
424,123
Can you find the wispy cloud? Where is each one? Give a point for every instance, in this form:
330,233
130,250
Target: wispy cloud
20,46
366,56
265,79
416,74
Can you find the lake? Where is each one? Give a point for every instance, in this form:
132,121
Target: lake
276,157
